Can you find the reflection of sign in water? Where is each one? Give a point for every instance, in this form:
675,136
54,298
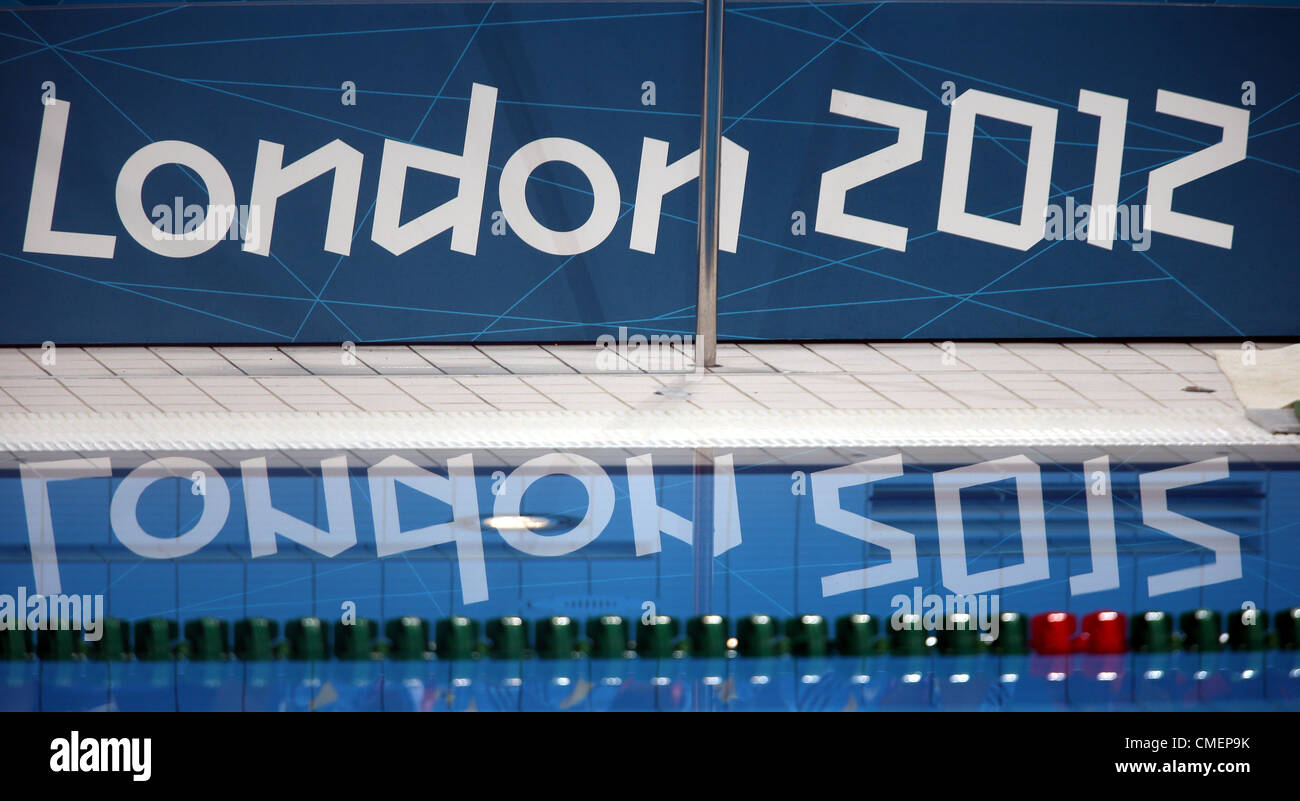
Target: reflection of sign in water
535,535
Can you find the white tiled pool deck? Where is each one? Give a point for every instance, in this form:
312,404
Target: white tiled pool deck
960,402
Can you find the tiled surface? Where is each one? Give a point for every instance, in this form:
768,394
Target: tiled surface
912,375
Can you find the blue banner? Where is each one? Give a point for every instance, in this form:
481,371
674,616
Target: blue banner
525,172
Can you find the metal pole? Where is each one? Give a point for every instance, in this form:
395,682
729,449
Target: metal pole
706,306
702,536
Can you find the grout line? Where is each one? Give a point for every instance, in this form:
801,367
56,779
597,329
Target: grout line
39,366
